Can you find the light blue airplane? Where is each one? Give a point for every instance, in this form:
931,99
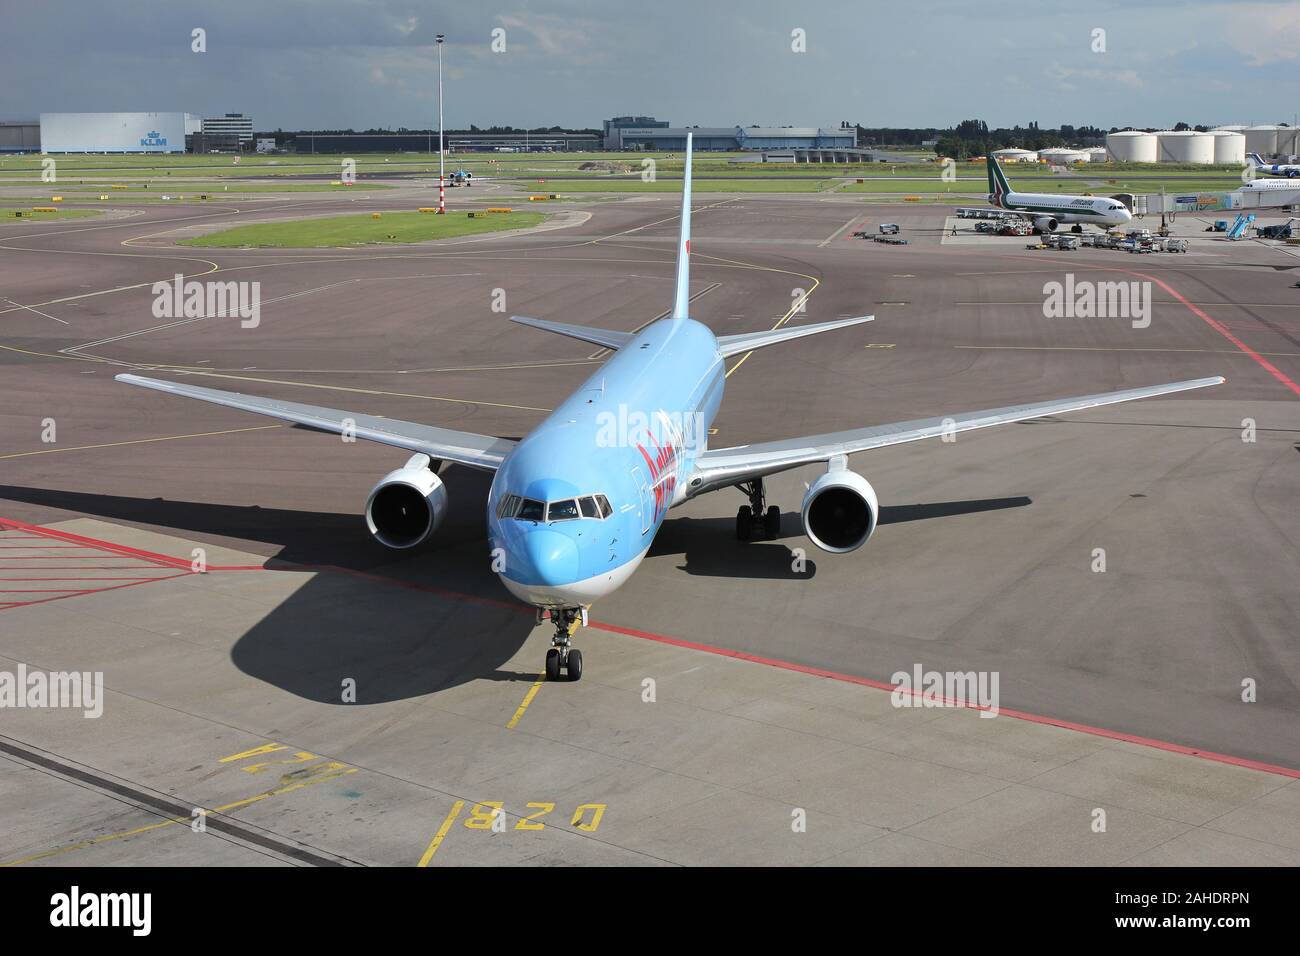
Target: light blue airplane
575,505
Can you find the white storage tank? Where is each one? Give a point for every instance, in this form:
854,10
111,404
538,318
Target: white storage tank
1132,146
1262,140
1186,146
1061,156
1229,147
1288,141
1013,155
1097,154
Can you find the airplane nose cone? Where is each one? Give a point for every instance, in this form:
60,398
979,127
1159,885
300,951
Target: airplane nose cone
553,557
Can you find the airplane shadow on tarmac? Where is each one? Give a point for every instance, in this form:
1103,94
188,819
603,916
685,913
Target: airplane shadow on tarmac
711,549
399,626
410,626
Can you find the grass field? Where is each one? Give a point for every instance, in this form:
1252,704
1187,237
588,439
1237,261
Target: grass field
215,189
335,231
192,174
674,185
7,215
1140,186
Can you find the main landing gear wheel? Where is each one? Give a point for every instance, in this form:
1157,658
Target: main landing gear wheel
574,664
772,522
744,523
757,519
553,664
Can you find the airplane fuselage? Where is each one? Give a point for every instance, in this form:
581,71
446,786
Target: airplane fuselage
629,434
1099,210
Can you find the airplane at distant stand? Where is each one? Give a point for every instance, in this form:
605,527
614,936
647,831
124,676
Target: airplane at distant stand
1048,210
1289,170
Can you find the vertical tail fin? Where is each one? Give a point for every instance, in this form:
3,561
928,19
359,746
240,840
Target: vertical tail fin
998,185
682,295
1256,159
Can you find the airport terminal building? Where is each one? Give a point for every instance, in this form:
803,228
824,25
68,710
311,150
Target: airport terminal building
730,138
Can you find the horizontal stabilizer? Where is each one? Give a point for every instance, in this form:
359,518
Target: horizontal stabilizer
746,341
607,338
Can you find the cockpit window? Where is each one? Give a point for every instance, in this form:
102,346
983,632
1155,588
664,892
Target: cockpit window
526,509
530,510
562,510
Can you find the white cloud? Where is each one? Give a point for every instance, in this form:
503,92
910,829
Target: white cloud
1264,33
1065,77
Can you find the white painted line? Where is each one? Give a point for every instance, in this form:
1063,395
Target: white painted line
44,315
837,233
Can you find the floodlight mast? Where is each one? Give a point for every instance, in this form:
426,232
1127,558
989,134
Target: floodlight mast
442,191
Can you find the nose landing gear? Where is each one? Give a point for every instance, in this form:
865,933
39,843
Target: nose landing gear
562,656
754,520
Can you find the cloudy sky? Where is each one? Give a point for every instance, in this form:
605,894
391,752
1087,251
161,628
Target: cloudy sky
371,63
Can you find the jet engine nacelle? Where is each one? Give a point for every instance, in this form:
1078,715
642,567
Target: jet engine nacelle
840,511
1045,224
407,505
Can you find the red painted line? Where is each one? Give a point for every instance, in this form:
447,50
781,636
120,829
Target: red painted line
53,590
121,549
1215,324
710,649
70,557
1219,327
1016,714
9,580
40,547
83,567
63,597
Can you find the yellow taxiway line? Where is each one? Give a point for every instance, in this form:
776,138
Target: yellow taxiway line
138,441
528,699
180,821
441,835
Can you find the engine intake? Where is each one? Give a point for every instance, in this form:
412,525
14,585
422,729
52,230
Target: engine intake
840,511
407,505
1045,224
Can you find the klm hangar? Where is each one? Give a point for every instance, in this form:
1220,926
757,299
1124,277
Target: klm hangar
114,132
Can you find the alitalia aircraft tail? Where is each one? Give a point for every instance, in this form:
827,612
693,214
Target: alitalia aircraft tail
998,185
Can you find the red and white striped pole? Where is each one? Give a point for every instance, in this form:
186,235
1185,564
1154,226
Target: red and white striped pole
442,192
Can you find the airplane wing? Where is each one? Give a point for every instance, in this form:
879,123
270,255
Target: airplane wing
608,338
444,444
727,466
746,341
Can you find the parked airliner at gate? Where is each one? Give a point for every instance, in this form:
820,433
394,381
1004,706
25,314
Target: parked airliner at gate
1048,210
574,505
